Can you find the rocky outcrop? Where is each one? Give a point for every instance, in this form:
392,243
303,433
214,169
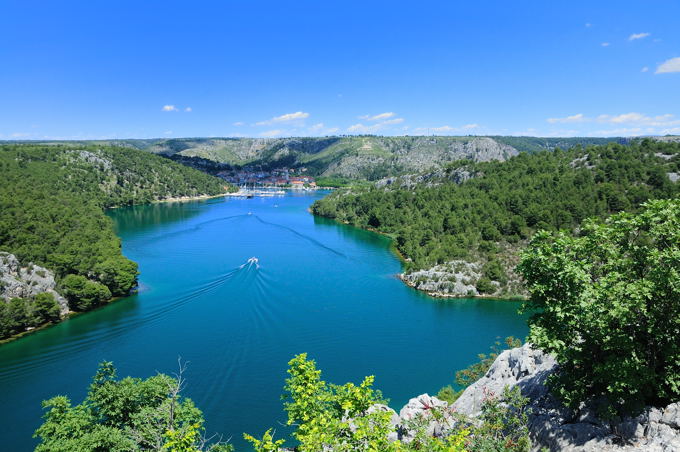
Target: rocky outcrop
558,428
460,278
17,281
430,179
452,279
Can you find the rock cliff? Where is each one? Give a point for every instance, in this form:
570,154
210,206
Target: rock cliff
552,426
558,428
17,281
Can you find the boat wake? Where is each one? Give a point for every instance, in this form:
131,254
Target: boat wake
306,237
251,262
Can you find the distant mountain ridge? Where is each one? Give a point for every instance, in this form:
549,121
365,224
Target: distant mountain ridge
353,157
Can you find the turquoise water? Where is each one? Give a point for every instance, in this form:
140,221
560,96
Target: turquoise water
318,287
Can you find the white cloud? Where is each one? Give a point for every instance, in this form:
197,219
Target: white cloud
588,25
298,115
239,124
321,129
639,119
605,44
188,110
392,121
632,118
444,129
439,129
167,132
573,118
668,66
19,135
618,132
644,69
361,128
169,108
378,117
272,133
635,36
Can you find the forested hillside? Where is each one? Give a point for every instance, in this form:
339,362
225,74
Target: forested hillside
461,229
52,201
367,157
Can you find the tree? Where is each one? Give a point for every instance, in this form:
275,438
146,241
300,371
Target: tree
607,304
83,294
118,274
130,414
47,307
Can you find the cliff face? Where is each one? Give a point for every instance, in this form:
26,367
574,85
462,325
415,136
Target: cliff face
365,157
17,281
558,428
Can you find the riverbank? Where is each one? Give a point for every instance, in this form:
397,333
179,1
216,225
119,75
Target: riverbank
463,290
436,294
192,198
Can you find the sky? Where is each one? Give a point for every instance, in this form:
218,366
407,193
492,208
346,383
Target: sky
144,69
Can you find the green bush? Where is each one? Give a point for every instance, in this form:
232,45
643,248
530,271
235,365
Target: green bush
46,307
607,304
121,415
118,273
83,294
485,286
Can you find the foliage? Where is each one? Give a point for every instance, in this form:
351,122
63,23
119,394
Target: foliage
19,314
83,294
266,444
331,416
118,274
346,419
130,414
334,182
504,203
52,199
475,371
607,305
503,425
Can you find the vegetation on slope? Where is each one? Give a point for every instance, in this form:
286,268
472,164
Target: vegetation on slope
490,216
52,201
607,304
475,371
132,414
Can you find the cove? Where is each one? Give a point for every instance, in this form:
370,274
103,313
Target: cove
317,287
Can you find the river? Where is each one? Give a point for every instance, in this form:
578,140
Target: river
317,287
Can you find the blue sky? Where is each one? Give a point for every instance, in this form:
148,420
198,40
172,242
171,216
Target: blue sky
89,70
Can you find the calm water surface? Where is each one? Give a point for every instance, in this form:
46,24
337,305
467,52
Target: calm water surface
319,287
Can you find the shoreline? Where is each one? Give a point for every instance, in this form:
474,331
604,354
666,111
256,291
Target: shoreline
440,295
403,260
190,198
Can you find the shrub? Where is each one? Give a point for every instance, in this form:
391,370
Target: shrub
83,294
607,304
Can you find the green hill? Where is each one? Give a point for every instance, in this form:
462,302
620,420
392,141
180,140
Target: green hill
52,201
461,229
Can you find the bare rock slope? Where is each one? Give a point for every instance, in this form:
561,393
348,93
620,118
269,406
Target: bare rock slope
558,428
17,281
